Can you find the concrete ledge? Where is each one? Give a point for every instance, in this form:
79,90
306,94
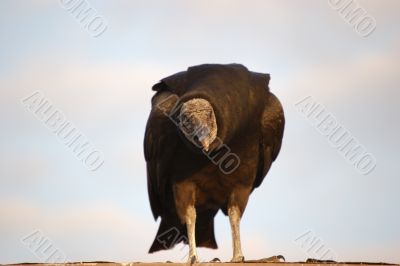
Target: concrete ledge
251,263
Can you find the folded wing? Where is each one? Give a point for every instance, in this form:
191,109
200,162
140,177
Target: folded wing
272,127
159,145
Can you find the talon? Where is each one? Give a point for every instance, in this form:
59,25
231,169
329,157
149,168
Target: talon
215,260
278,258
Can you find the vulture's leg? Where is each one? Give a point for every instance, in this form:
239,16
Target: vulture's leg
234,219
236,205
190,220
184,194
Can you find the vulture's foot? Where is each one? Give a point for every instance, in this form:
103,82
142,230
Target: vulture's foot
238,259
278,258
193,259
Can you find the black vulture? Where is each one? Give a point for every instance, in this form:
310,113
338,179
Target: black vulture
211,137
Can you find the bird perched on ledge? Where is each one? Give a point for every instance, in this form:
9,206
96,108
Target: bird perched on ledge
211,137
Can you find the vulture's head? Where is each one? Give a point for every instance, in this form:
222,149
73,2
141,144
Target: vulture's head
197,121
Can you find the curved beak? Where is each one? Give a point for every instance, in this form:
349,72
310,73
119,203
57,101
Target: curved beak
205,143
203,137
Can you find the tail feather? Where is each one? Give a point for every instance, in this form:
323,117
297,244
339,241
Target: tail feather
168,235
171,233
205,236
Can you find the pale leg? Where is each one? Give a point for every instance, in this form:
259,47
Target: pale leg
190,219
234,219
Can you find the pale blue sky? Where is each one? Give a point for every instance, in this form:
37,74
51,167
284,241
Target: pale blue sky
103,86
